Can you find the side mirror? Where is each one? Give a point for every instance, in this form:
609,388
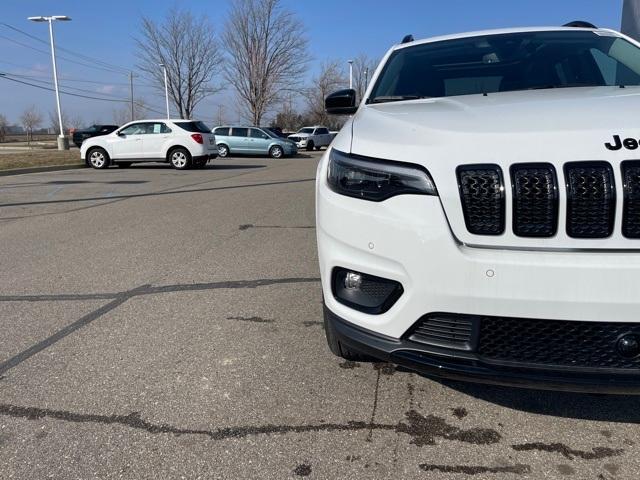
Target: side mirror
120,134
342,102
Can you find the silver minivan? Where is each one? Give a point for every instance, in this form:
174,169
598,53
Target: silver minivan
252,141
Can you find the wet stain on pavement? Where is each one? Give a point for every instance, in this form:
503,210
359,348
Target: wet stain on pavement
424,431
349,364
246,226
606,433
564,469
459,412
385,368
252,319
476,469
302,470
596,453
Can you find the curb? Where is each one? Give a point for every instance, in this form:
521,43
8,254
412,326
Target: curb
48,168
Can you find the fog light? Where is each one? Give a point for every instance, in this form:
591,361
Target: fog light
366,293
353,280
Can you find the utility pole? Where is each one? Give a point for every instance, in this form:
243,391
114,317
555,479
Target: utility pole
133,112
63,142
166,88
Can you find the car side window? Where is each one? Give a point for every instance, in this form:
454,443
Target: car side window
221,132
240,132
135,129
322,131
156,128
255,133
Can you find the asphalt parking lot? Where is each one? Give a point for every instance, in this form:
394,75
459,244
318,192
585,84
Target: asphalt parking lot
165,324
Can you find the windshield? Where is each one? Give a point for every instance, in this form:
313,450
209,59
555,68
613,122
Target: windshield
270,132
508,62
308,130
197,127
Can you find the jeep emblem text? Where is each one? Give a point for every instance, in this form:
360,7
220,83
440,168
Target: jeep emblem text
628,143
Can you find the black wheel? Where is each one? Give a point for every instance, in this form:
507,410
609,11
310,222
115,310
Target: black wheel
180,158
98,158
223,150
310,146
276,151
318,148
124,164
338,348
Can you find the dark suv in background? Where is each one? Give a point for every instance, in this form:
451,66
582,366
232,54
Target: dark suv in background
81,135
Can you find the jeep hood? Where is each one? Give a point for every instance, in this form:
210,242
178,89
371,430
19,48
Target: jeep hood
553,126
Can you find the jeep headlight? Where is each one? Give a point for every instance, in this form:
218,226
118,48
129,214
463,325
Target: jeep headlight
376,180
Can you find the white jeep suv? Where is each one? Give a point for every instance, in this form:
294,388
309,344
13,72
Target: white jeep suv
312,137
182,143
478,217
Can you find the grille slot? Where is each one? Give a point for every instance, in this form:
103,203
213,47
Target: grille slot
555,342
535,200
590,199
482,195
446,330
631,208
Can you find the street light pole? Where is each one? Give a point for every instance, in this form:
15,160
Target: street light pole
350,73
166,88
133,114
62,140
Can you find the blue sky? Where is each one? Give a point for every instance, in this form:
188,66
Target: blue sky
337,29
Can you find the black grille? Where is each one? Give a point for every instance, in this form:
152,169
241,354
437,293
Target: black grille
631,209
555,342
482,195
535,200
445,330
590,199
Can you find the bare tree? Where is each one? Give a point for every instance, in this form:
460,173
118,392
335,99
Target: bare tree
76,122
363,69
330,78
267,54
3,127
54,123
188,48
31,119
122,115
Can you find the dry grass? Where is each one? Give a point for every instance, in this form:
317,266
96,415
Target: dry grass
39,158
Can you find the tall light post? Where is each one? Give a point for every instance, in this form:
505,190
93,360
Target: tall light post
63,142
166,88
350,62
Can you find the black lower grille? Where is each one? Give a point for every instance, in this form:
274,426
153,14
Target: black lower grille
535,200
590,199
631,209
482,196
446,330
556,342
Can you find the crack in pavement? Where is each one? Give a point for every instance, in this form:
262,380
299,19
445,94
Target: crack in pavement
596,453
150,290
519,469
423,430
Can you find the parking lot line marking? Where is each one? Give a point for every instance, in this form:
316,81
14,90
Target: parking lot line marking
66,331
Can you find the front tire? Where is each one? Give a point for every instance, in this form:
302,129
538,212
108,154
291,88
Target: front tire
180,158
98,158
276,151
223,151
310,146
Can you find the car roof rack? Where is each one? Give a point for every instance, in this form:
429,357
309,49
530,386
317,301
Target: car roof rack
407,38
580,24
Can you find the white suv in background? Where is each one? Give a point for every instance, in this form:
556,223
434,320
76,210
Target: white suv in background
478,216
182,143
312,137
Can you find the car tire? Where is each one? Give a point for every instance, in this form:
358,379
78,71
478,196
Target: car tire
98,158
223,150
339,349
180,158
310,146
124,164
276,152
318,148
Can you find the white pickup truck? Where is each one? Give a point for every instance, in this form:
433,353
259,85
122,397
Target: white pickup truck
312,137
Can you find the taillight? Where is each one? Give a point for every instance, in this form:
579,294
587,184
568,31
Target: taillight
198,138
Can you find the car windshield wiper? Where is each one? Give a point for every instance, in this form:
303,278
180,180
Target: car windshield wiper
567,85
395,98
